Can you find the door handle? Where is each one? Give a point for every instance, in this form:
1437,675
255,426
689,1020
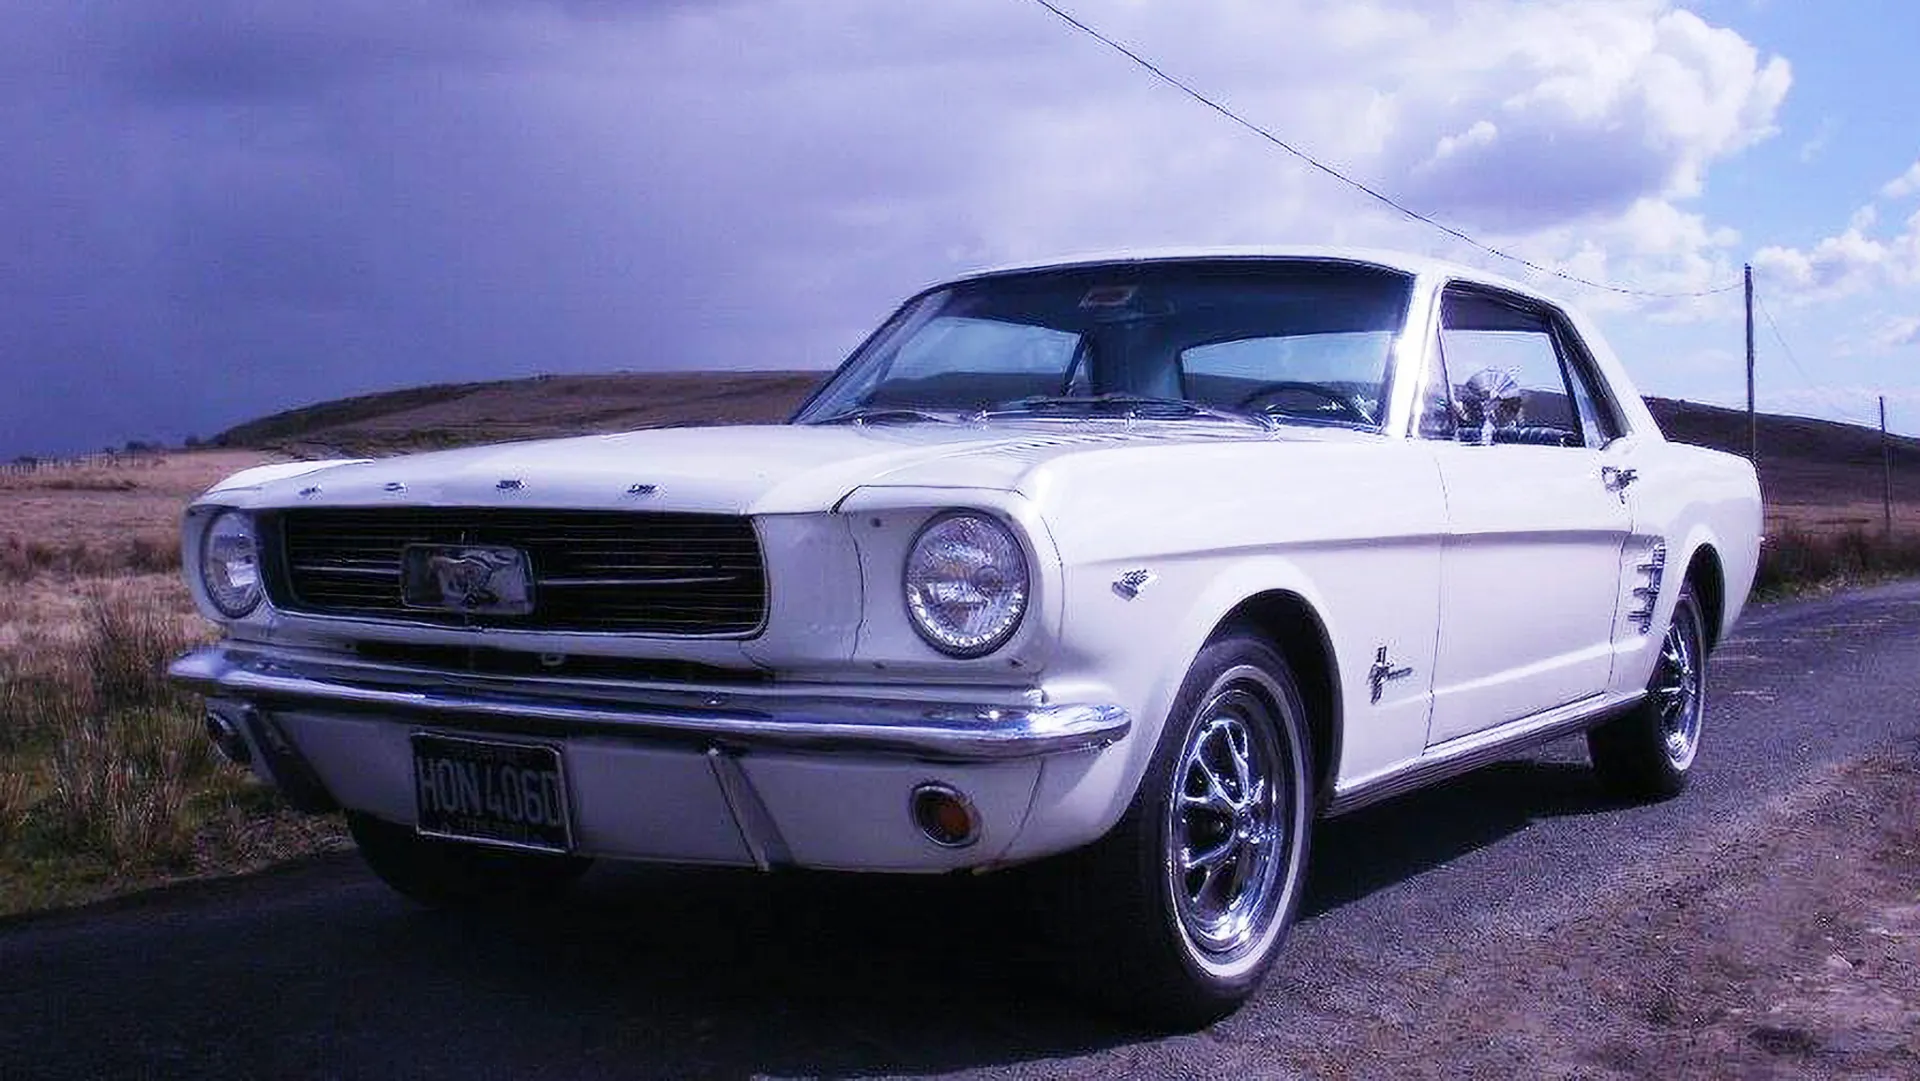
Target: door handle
1617,479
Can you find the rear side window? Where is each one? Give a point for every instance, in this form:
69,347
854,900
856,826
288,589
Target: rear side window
1515,374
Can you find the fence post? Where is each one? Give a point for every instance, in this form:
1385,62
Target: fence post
1886,469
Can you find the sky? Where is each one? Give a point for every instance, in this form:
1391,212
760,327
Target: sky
216,210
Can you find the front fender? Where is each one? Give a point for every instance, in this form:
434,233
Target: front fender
1082,797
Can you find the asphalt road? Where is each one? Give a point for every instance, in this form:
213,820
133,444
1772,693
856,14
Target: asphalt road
319,972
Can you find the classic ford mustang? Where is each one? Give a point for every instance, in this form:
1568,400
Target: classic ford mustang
1133,566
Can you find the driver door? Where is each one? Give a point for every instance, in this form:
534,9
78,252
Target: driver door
1530,568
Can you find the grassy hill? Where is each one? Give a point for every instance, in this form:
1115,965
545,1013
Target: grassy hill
1817,474
459,414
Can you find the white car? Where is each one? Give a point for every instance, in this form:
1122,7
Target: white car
1145,563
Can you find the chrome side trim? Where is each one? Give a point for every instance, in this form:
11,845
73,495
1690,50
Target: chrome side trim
1647,597
1475,749
942,731
757,829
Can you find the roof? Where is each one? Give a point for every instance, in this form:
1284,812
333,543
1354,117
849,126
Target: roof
1405,262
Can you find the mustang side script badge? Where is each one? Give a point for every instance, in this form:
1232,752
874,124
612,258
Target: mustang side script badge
479,579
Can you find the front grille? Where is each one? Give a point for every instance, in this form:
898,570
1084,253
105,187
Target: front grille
656,573
487,661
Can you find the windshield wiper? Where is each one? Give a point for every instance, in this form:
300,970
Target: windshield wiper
872,414
1136,405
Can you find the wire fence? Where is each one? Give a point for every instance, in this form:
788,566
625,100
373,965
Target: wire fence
115,459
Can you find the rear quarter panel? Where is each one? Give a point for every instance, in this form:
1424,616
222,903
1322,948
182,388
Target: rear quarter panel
1692,499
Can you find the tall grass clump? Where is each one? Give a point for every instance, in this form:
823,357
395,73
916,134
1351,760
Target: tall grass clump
124,755
1795,559
120,785
125,648
16,801
34,706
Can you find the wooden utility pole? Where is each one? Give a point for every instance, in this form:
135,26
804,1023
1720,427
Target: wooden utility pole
1753,420
1886,469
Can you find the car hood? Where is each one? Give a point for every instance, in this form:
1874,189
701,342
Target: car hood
763,469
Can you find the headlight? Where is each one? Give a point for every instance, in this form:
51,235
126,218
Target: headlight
230,564
966,584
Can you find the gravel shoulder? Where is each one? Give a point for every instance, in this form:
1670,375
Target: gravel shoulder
1785,943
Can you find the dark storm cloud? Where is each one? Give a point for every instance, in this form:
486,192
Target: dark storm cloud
236,207
221,208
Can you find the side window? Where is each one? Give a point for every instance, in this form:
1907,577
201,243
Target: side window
1597,419
1510,379
1437,419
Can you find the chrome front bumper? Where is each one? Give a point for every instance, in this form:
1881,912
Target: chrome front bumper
763,776
748,718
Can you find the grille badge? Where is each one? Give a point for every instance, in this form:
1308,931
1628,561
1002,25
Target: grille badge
477,579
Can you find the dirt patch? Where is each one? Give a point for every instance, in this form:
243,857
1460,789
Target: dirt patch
1787,945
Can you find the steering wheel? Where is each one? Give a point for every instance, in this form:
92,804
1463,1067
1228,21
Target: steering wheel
1349,407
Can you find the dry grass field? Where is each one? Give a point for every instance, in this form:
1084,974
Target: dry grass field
106,781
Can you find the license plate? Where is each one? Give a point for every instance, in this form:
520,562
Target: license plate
498,793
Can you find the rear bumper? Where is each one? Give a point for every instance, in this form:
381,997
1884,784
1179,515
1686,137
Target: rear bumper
749,777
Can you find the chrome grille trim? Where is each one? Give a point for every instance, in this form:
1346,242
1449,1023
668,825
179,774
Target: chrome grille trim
665,573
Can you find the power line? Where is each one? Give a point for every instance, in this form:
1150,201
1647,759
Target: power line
1357,185
1795,361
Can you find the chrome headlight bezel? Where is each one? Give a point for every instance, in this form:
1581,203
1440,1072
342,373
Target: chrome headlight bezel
1004,576
230,564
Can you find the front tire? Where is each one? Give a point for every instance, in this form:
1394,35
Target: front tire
449,874
1187,901
1648,754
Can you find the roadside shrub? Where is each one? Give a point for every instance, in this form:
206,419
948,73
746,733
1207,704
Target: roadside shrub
16,802
33,707
123,753
151,555
126,648
120,785
1793,558
139,553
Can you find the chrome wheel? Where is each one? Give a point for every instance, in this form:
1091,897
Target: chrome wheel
1647,752
1230,821
1678,687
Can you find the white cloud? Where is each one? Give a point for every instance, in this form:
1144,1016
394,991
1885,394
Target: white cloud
1852,261
1897,332
1903,185
1813,147
1847,263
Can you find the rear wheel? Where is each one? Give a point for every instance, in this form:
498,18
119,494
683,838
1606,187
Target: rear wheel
1648,754
1182,908
449,874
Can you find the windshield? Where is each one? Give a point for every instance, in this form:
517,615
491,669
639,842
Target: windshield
1299,341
